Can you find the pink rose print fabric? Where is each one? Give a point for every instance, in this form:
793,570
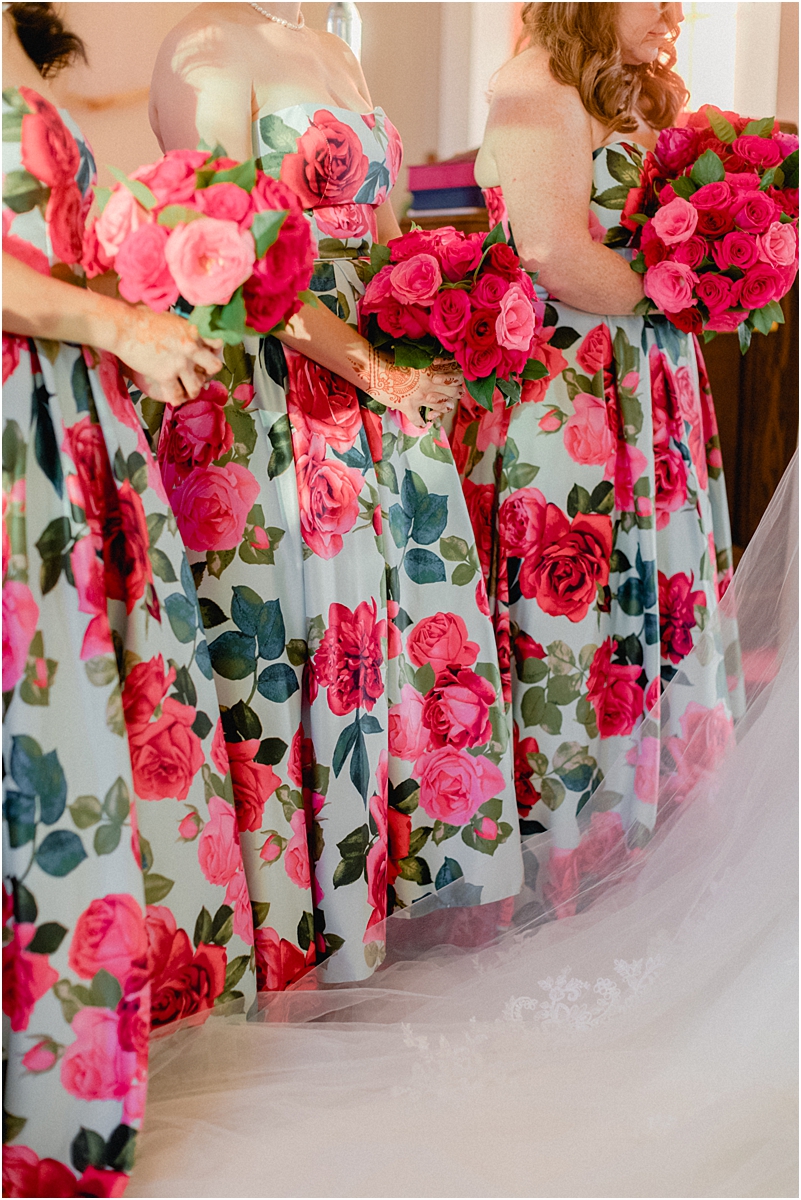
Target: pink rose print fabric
337,571
600,516
125,905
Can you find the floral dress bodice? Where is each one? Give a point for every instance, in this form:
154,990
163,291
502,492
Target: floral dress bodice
343,165
48,172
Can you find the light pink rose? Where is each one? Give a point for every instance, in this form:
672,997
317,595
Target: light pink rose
172,179
95,1067
778,245
237,897
626,466
514,325
121,217
110,936
227,202
417,280
408,737
441,640
209,259
296,855
670,285
675,222
143,271
219,753
87,571
328,493
40,1057
707,735
218,848
588,438
645,758
271,850
345,220
20,616
212,504
190,827
454,784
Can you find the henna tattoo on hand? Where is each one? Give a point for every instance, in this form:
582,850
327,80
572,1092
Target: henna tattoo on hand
390,380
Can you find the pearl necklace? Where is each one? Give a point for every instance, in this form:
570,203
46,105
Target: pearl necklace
279,20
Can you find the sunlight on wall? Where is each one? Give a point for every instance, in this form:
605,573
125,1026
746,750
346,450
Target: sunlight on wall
728,55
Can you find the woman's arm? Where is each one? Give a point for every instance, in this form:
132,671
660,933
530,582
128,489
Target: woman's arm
540,137
165,350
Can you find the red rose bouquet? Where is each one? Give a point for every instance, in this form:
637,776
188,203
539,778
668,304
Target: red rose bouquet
441,293
228,239
716,220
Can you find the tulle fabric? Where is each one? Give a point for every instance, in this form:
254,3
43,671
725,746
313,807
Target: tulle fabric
643,1046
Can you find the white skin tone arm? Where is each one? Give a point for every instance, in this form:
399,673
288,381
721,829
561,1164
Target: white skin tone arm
538,147
202,89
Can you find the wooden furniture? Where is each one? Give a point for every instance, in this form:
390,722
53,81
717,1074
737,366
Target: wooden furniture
756,399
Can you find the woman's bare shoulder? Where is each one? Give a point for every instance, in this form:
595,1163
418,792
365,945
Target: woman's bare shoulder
207,30
525,88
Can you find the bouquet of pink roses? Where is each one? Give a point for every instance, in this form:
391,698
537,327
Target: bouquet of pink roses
228,239
717,213
442,294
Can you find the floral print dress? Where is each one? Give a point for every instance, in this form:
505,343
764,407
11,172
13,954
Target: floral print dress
347,616
125,905
599,507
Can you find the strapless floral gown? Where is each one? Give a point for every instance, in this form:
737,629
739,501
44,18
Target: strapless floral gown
347,616
599,509
125,905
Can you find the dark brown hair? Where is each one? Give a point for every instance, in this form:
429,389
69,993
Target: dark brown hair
585,53
45,39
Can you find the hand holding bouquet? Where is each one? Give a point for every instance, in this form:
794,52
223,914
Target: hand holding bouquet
222,235
441,294
716,221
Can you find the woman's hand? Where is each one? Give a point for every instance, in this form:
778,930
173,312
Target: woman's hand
436,388
167,357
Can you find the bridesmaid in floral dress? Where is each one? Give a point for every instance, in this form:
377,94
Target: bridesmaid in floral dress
611,546
125,905
338,576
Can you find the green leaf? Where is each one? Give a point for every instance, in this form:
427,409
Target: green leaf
243,175
60,853
578,501
107,838
270,752
202,931
424,679
629,597
157,887
454,549
20,814
789,169
414,355
622,169
463,574
177,214
121,1149
276,134
563,689
762,127
422,566
162,567
271,633
614,197
533,670
139,190
280,436
47,939
430,519
534,369
744,335
533,706
708,169
721,126
182,617
25,910
88,1149
521,475
442,832
449,872
552,792
561,658
55,539
233,654
260,909
211,613
277,683
297,651
12,1126
551,720
495,235
222,926
386,476
482,390
23,191
683,186
105,991
265,229
235,970
415,870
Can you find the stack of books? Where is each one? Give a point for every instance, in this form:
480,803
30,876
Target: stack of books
444,188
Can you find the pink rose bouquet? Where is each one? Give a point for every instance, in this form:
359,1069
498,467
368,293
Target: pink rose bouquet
439,293
717,228
227,239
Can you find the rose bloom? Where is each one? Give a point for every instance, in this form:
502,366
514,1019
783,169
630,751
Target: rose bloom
670,285
761,284
692,252
573,563
521,523
253,783
652,246
670,473
48,149
725,322
756,212
218,846
278,962
209,259
166,754
677,603
86,446
227,202
458,253
26,976
502,258
95,1067
110,936
736,249
349,658
595,351
25,1174
454,784
346,220
712,197
778,246
449,316
195,433
715,291
416,280
211,506
527,794
489,291
324,402
675,222
614,693
408,736
757,151
442,641
377,880
271,292
456,710
296,855
480,500
184,983
142,267
173,178
328,493
125,548
329,162
675,148
20,618
708,732
121,217
587,436
514,325
64,218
